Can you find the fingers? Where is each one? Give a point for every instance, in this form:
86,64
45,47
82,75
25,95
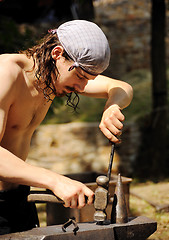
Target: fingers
81,199
90,196
73,193
111,137
111,123
111,131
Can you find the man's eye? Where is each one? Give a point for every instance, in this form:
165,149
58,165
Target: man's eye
80,77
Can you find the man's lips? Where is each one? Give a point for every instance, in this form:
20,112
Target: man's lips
70,89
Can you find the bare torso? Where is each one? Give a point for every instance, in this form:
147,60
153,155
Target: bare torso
26,112
23,107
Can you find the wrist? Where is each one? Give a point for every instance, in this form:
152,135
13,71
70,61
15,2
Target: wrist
51,180
112,105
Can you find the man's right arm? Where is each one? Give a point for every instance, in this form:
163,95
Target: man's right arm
15,170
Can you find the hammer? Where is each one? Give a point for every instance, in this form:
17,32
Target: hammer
101,192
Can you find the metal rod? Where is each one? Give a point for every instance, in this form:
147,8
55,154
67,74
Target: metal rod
111,161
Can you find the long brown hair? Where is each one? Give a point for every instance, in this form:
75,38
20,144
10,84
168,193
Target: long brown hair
41,54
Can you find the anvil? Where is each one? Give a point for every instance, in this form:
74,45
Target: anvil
137,228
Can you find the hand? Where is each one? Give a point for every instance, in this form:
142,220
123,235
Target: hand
73,193
111,123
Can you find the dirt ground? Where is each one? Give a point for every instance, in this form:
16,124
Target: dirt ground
156,193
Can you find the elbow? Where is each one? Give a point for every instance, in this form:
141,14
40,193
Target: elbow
127,96
129,93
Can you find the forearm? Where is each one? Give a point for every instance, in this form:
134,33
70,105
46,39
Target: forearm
116,91
119,96
15,170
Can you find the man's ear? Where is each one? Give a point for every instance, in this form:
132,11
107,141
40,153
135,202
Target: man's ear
57,52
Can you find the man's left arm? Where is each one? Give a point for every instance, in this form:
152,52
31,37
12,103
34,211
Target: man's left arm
119,95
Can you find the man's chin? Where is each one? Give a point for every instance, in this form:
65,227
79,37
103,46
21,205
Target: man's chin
61,94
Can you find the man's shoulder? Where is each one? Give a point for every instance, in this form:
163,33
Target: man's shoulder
9,67
8,60
9,74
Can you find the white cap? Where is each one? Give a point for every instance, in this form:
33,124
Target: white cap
86,44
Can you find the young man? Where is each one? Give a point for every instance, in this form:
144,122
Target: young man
69,59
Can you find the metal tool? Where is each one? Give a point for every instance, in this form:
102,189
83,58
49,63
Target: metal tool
101,193
138,228
119,209
111,161
70,222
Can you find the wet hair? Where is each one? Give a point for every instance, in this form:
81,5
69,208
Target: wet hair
41,54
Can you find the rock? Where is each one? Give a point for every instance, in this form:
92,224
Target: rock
81,147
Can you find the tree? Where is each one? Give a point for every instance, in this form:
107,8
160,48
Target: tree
152,157
159,89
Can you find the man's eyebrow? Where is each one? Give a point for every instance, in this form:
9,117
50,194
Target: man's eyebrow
82,75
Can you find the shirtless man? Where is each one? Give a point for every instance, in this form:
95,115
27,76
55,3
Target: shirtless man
29,81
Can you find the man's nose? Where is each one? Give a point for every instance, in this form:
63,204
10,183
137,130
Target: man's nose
80,87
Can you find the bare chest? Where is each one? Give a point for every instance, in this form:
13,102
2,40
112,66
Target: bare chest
29,106
26,113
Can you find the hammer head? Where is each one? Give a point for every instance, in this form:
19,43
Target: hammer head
101,199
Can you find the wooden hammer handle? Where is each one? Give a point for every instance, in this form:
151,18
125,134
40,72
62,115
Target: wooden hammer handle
43,197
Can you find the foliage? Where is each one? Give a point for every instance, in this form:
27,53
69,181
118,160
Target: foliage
148,169
12,39
90,109
140,106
